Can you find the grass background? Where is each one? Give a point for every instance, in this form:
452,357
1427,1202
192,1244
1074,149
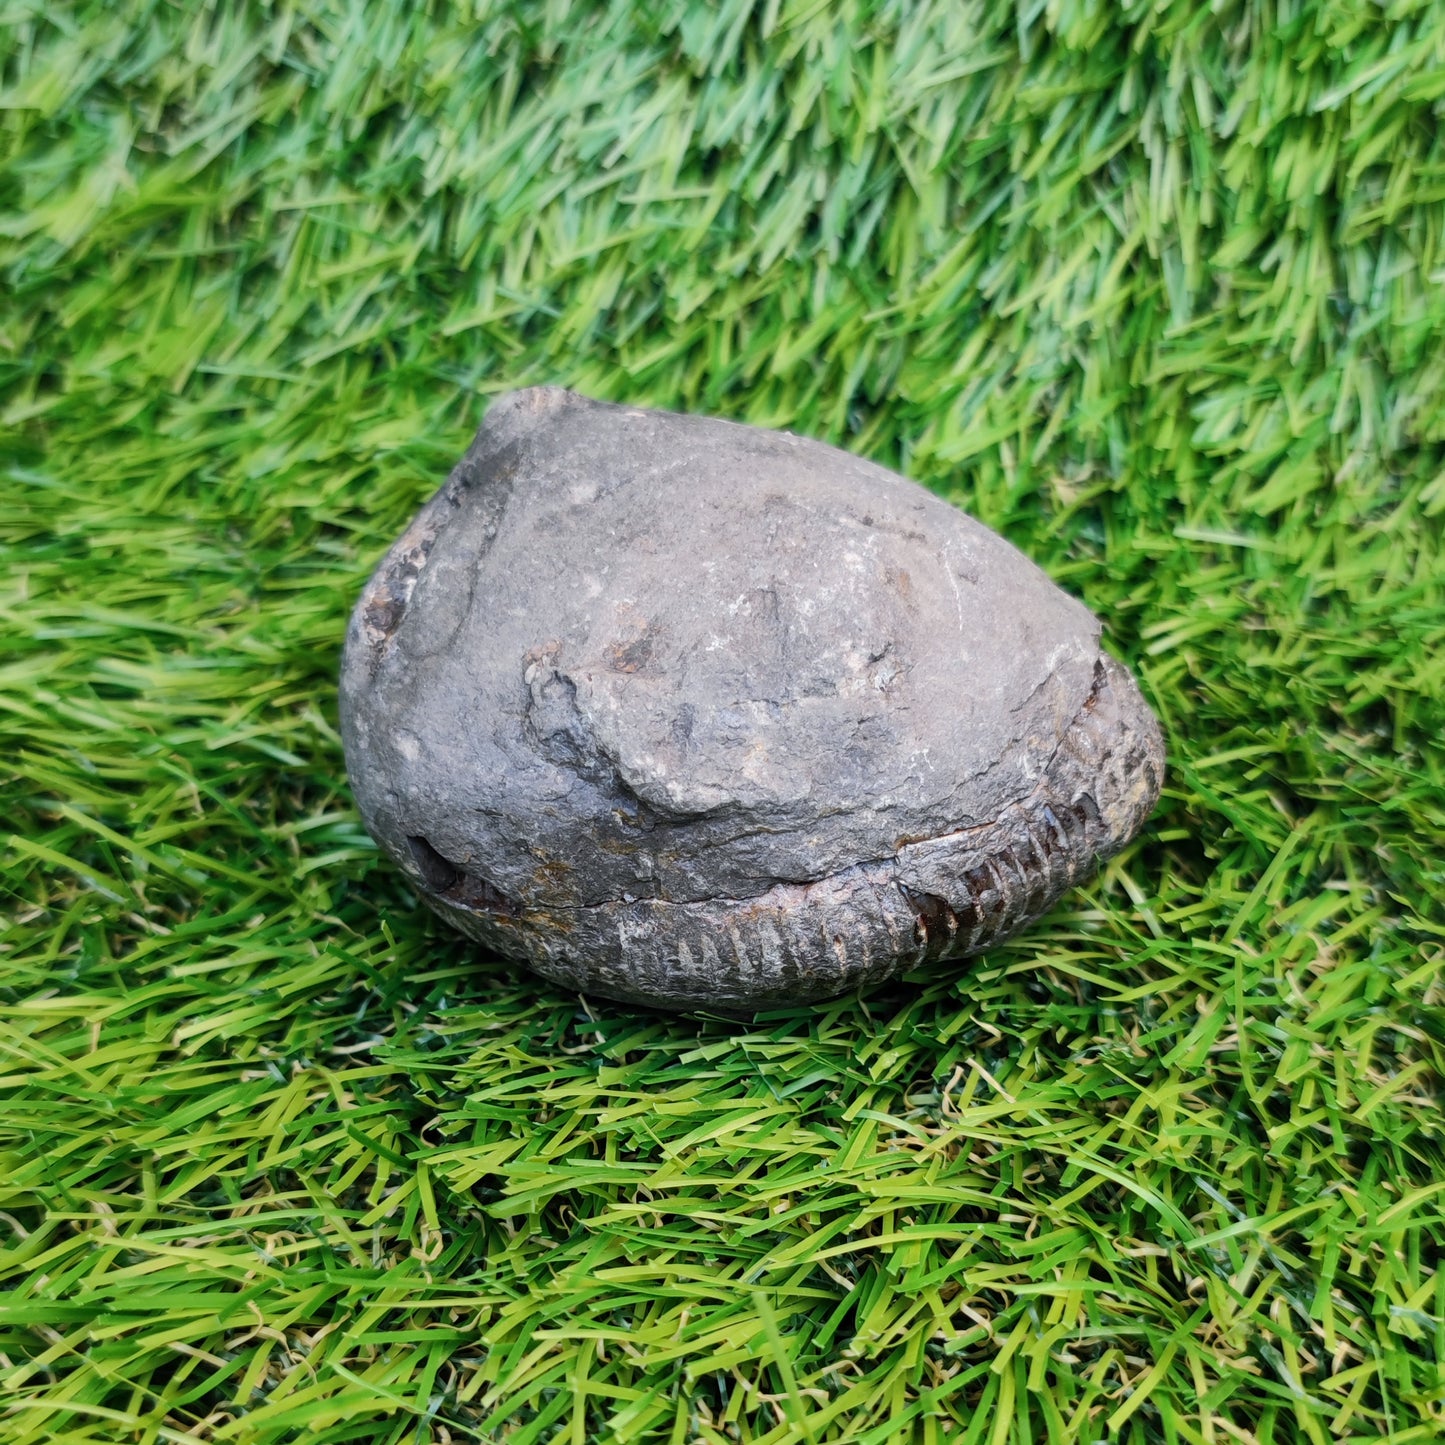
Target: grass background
1156,290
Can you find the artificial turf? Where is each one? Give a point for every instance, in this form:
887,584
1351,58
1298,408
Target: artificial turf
1156,290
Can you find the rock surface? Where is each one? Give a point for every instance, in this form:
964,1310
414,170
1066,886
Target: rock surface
699,715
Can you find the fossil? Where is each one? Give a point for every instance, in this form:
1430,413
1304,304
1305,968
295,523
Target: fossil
695,714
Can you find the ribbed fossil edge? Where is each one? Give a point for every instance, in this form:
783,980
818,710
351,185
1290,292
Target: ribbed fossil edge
943,897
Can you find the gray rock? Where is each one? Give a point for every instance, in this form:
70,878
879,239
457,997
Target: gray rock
699,715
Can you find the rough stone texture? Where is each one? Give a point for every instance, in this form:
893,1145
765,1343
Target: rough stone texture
695,714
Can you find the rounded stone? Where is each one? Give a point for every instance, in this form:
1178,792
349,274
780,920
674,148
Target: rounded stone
695,714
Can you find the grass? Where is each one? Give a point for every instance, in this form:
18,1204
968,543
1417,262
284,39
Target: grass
1156,290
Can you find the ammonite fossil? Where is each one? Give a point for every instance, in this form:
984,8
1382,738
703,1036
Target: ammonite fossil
695,714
